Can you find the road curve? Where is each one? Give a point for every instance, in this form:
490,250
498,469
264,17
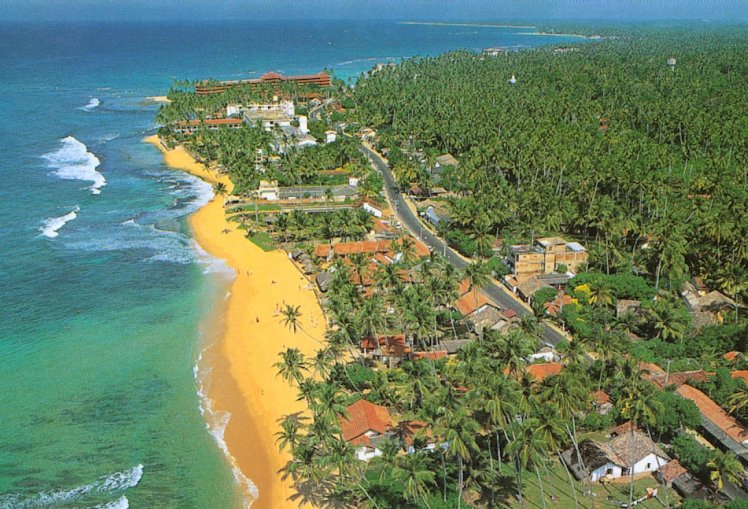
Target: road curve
405,215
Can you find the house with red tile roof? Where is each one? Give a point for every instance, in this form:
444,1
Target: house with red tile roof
435,355
733,356
741,373
602,402
370,247
717,422
540,372
365,426
390,345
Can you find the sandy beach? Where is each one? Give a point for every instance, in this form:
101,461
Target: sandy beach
243,380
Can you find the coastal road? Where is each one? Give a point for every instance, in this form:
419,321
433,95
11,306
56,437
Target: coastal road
410,220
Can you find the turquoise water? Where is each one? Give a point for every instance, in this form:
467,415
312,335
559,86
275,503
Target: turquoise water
102,288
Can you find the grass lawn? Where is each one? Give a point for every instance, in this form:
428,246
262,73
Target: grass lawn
263,241
607,496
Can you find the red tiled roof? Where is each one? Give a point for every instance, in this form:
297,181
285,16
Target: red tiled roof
439,354
731,356
540,372
601,397
715,413
362,418
678,379
508,313
408,429
364,246
554,307
741,374
623,428
470,302
381,227
393,344
651,367
671,471
464,287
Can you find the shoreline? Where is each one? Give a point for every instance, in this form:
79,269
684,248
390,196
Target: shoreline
243,381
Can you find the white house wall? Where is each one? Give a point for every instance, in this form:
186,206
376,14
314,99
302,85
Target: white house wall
654,462
600,472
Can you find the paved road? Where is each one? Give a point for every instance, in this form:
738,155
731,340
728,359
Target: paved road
498,293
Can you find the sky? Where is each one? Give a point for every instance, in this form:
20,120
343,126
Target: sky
422,10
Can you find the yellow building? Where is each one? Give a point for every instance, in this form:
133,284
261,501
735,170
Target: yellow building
546,255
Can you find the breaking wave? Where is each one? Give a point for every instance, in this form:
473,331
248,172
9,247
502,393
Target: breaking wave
51,226
92,104
113,483
120,503
73,161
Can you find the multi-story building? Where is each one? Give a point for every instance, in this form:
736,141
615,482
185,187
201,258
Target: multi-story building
546,255
321,79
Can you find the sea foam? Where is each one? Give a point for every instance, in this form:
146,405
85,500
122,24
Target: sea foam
92,104
50,228
112,483
120,503
216,423
73,161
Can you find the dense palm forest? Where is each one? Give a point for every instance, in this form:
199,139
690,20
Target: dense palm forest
606,143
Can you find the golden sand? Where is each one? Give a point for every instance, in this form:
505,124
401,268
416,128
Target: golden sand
244,381
158,99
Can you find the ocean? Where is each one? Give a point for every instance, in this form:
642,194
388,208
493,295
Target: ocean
103,289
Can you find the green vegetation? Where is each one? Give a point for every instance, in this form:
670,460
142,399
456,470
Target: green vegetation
605,144
645,165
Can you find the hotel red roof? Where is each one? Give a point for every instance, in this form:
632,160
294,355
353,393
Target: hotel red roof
741,374
715,413
540,372
364,417
212,121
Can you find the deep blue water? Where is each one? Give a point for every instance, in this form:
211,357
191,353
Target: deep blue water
102,287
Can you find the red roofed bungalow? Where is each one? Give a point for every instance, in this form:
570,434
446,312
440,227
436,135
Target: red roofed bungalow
470,303
392,345
408,430
602,402
732,356
365,423
436,355
721,425
743,373
540,372
364,246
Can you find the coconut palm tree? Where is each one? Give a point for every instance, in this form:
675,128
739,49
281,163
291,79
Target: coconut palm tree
739,399
289,435
459,431
412,472
220,189
292,364
724,465
291,317
529,452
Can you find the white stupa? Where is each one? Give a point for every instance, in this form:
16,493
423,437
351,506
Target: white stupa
512,80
